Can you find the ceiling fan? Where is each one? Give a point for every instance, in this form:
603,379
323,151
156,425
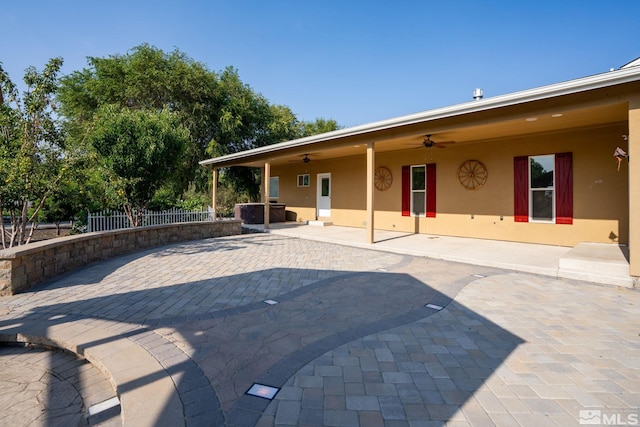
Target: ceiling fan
305,159
429,143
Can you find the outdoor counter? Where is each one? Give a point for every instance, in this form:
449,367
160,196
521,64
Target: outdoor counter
253,213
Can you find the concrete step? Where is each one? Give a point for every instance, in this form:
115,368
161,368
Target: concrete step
320,223
597,262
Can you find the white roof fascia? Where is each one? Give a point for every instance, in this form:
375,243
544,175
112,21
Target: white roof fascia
634,63
611,78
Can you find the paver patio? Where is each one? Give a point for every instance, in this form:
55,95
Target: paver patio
356,336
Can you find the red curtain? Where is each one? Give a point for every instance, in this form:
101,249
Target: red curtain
564,188
431,190
406,191
521,189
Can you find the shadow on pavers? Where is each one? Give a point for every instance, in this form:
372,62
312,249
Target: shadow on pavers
261,343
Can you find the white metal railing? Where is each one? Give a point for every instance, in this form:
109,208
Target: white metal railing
113,220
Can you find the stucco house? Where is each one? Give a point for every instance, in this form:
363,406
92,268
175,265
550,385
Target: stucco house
549,165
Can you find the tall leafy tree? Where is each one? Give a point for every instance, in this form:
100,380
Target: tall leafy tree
246,120
222,114
32,158
141,148
146,78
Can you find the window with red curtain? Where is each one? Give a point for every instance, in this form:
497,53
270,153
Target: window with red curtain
562,188
413,190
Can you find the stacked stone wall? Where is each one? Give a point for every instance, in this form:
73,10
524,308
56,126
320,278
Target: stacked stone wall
24,266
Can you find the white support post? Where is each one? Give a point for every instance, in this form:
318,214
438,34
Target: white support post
214,191
267,189
371,161
634,188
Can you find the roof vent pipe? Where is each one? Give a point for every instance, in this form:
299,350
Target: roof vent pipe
478,94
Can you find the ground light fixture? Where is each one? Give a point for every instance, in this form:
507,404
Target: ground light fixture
263,391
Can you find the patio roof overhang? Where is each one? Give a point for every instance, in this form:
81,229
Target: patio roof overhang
597,100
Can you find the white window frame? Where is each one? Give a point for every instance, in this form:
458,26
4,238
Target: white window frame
274,187
424,191
303,180
551,220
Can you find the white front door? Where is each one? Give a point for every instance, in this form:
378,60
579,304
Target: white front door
324,195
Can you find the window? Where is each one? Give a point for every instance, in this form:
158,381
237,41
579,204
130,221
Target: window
274,187
303,180
419,190
543,188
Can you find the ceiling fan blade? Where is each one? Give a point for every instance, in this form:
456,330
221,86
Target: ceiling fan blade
443,144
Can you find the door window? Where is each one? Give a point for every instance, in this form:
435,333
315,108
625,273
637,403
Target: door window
325,188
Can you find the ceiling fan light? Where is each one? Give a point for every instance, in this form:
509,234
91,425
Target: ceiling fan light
427,142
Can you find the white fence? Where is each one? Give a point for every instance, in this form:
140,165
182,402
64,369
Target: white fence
114,220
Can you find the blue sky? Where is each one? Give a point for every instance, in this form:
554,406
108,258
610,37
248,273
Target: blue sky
353,61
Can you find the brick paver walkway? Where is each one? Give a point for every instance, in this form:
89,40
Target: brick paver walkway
354,336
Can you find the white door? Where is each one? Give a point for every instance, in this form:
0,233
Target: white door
324,195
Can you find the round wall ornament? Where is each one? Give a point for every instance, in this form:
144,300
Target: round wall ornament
472,174
382,178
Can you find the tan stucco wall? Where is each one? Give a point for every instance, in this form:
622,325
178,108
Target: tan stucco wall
601,211
348,196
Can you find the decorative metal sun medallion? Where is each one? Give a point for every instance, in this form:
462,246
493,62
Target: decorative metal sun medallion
382,178
472,174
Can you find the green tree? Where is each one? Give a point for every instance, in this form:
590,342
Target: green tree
319,125
58,208
146,78
246,120
223,115
141,148
84,188
32,156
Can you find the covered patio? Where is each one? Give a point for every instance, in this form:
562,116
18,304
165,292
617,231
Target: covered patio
591,262
334,178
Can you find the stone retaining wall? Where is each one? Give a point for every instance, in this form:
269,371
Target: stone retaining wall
24,266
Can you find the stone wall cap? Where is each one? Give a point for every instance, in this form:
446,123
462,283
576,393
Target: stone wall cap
30,248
